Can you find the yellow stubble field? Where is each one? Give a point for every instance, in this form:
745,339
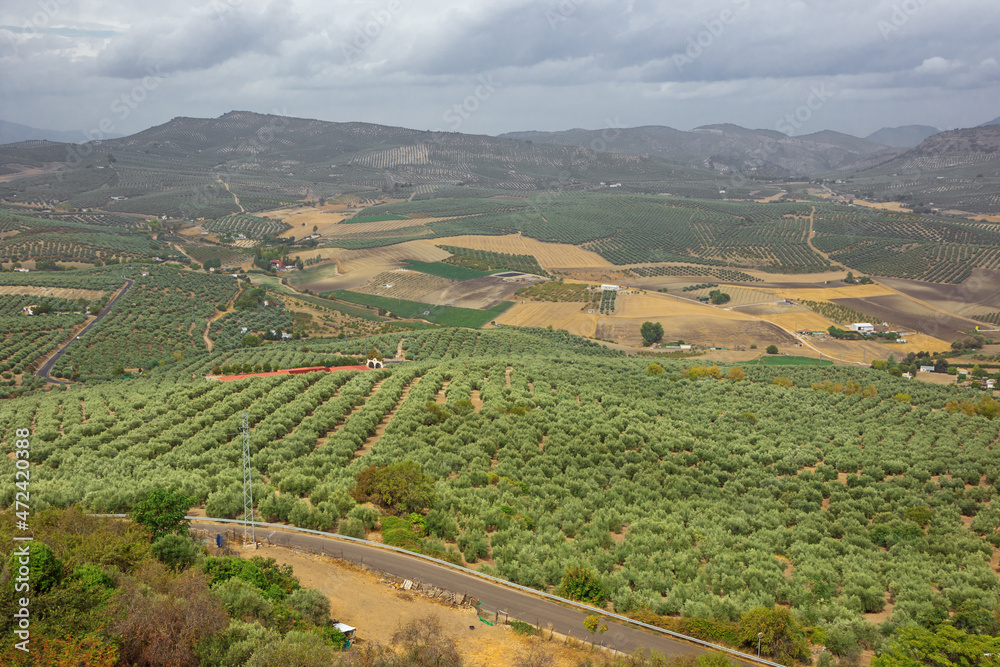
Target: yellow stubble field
549,255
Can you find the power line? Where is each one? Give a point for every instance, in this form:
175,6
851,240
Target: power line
248,523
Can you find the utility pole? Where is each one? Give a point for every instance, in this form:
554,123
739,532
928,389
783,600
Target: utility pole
249,534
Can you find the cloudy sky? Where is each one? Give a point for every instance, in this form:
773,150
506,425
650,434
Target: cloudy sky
493,66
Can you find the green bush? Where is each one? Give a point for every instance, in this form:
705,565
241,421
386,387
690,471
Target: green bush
580,583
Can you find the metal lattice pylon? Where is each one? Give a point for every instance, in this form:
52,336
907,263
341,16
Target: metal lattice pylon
249,534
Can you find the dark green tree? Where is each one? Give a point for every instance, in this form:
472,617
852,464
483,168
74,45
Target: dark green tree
652,332
163,511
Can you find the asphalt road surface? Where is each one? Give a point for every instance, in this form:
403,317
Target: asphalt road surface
46,368
519,605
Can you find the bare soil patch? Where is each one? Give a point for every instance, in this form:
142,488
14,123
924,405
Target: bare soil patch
477,293
976,296
404,284
912,315
25,170
377,609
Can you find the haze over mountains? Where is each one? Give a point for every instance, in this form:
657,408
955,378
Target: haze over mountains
267,158
13,132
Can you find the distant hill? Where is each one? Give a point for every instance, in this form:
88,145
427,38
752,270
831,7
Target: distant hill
726,147
995,121
957,169
14,132
970,141
179,167
905,136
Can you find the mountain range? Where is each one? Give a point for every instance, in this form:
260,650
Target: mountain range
266,160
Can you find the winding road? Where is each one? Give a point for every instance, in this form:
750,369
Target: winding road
46,368
525,606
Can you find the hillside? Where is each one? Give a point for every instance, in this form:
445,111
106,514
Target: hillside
191,167
905,136
726,147
958,169
14,132
530,452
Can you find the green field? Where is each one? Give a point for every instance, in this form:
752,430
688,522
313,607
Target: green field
443,270
375,218
450,316
400,307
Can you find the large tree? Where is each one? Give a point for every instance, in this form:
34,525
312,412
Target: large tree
400,487
163,511
652,332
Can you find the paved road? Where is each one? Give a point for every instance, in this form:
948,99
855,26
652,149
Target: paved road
46,368
520,605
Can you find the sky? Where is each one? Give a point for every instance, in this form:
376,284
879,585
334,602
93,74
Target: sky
492,66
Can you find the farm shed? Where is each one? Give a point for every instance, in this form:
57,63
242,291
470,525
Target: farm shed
862,327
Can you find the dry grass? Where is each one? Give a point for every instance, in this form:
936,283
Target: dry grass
838,290
566,315
549,255
58,292
885,206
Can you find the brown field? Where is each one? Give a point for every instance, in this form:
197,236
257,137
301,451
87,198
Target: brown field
322,217
549,255
477,293
351,268
801,320
937,378
911,315
738,296
25,170
58,292
772,198
837,290
404,284
567,316
885,206
978,295
692,322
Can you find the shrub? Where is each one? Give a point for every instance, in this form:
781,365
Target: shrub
176,551
579,583
772,349
311,603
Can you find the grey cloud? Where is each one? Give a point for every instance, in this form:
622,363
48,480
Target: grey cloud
198,39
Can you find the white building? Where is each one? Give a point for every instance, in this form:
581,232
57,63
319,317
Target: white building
609,288
862,327
926,369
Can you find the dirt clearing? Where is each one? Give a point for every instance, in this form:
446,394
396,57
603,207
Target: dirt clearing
477,293
58,292
404,284
377,610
